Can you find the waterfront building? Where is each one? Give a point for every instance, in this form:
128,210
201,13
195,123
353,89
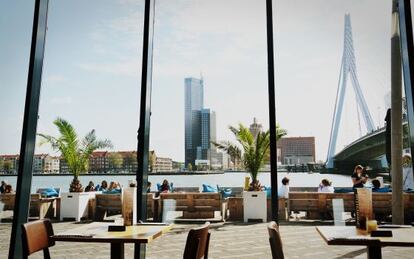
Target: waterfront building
51,164
9,164
255,128
63,166
38,163
129,161
99,162
297,150
163,164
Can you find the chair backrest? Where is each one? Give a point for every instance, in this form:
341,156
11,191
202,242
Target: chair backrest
35,236
275,241
198,240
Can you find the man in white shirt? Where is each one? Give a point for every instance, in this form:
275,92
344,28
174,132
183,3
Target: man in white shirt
283,191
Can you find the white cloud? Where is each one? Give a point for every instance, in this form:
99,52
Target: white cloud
53,79
64,100
130,67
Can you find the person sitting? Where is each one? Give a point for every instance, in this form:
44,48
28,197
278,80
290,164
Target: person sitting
165,186
114,188
104,186
8,189
90,187
2,186
283,191
376,186
325,186
357,178
148,187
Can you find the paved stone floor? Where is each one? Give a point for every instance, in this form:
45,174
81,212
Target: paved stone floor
227,241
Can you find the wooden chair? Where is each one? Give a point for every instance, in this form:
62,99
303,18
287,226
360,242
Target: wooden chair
275,241
35,236
198,240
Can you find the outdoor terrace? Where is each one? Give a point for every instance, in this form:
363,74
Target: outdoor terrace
228,240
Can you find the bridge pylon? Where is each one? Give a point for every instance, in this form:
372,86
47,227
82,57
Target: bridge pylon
348,70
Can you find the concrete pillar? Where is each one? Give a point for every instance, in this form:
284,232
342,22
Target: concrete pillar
396,120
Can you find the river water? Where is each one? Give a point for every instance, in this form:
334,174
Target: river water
228,179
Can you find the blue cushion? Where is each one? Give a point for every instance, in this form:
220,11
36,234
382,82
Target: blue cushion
226,193
114,191
49,192
385,189
159,187
268,192
343,190
209,188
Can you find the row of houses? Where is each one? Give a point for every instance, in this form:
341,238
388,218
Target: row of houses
99,162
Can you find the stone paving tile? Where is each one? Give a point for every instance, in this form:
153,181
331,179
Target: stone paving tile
227,241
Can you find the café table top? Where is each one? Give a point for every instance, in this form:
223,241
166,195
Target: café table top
98,232
350,235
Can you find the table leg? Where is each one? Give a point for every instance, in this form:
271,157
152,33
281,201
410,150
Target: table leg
117,251
139,251
374,252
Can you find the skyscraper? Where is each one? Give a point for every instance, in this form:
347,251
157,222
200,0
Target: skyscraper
194,102
200,123
208,132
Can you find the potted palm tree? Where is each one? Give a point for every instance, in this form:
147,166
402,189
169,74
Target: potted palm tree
76,153
255,152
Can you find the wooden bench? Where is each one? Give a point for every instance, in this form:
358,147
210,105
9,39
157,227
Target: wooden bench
39,207
315,203
193,205
186,189
112,203
235,209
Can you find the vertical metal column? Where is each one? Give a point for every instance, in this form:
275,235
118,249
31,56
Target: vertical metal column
396,119
272,110
144,122
28,141
407,53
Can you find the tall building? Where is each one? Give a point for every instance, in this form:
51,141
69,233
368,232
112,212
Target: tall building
208,134
255,128
296,150
200,123
194,103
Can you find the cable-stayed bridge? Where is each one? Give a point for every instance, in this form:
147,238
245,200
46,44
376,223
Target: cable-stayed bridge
370,148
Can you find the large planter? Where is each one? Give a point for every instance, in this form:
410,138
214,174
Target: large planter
254,206
75,205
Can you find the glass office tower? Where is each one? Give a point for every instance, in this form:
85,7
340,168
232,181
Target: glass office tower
194,103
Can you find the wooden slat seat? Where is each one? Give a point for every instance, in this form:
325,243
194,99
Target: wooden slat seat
193,205
39,207
318,203
105,203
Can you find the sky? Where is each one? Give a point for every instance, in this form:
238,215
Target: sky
92,66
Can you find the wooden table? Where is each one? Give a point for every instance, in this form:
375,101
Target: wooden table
97,232
352,236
